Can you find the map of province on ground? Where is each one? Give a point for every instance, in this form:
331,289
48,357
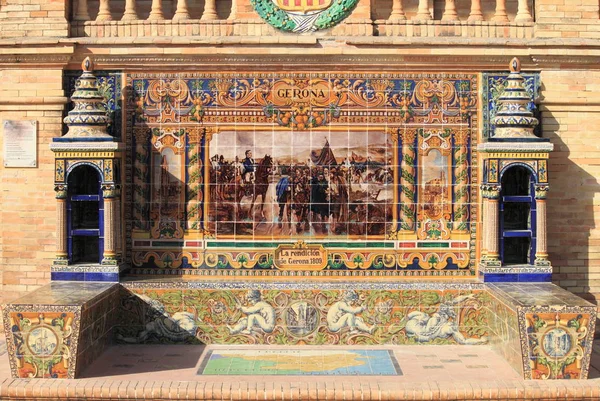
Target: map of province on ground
299,362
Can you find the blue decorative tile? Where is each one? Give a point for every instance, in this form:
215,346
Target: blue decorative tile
500,277
535,277
106,277
67,276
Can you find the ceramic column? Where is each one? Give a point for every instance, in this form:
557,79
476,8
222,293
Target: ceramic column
194,187
541,248
109,192
140,178
492,225
484,235
407,169
118,226
461,181
61,224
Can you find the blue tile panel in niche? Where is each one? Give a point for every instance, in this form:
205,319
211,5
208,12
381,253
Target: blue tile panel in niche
300,362
492,86
110,86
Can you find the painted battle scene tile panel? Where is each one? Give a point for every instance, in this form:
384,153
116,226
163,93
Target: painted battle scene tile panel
305,184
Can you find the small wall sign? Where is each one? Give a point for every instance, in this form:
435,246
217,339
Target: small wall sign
20,143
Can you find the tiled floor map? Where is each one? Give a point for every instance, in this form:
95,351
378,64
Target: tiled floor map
300,362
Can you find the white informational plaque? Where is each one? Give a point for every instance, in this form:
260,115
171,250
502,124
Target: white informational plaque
20,143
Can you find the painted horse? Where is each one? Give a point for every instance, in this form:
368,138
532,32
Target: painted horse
259,187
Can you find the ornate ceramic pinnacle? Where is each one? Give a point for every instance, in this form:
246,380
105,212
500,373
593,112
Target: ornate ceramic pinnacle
88,119
513,119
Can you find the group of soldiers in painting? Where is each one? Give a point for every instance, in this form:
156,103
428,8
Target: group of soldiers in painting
319,195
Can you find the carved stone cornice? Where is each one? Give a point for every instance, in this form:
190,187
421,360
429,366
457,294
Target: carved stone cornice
357,61
515,147
571,60
86,146
35,60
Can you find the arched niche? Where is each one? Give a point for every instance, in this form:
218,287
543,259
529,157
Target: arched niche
85,215
517,215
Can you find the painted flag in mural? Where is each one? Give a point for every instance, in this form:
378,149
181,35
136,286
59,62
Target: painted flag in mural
325,157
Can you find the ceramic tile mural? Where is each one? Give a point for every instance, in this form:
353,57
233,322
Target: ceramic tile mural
330,174
444,315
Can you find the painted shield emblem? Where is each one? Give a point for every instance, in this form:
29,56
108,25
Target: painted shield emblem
303,15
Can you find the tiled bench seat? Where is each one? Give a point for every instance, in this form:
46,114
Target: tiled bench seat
59,329
542,330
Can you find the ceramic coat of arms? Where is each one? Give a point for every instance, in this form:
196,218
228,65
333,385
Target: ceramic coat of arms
303,15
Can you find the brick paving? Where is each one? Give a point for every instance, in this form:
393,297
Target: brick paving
136,372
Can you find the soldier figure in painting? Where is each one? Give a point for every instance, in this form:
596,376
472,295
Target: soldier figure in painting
343,314
319,204
249,167
259,313
238,171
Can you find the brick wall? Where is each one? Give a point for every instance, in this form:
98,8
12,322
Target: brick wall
35,18
567,19
28,212
571,118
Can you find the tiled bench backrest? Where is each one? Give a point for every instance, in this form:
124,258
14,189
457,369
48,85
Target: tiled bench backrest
304,313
